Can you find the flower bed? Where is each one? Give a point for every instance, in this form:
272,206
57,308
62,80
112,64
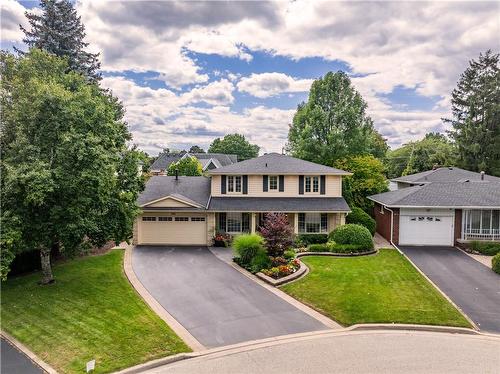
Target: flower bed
281,267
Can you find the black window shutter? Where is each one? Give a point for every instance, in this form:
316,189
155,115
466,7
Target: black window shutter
245,184
223,184
264,182
281,183
301,184
322,185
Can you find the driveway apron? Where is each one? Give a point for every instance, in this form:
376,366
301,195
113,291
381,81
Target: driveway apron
471,285
217,304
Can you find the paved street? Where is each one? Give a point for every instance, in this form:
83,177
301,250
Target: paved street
360,352
217,304
472,286
15,362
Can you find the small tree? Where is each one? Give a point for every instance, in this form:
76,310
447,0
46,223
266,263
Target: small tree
277,233
188,166
235,144
196,149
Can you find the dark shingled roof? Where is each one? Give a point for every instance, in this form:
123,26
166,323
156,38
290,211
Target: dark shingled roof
196,189
164,160
275,163
279,204
445,174
462,194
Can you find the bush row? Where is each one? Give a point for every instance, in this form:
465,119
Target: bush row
336,248
308,239
495,263
486,248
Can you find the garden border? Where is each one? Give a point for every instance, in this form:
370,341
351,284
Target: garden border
355,254
302,271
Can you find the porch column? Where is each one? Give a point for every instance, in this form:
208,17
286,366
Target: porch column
252,223
296,223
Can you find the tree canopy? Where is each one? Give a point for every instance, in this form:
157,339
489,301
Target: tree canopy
68,178
196,149
235,144
476,115
333,123
59,30
189,166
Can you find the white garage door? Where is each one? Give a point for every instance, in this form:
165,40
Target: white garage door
426,229
172,230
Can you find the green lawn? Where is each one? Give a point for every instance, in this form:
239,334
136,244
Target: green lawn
370,289
91,312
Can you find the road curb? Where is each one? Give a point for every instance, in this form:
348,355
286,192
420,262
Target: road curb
175,325
32,356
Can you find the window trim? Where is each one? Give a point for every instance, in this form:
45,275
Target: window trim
320,219
272,177
234,184
314,182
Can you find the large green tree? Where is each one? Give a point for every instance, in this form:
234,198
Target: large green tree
196,149
235,144
333,123
367,179
189,166
58,29
68,178
476,115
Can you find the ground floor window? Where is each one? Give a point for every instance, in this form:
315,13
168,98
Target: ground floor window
481,224
232,222
310,223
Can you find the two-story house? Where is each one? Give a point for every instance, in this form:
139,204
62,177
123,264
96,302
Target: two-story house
235,198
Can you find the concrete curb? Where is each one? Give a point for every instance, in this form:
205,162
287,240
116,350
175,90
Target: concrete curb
438,289
180,330
302,307
303,270
32,356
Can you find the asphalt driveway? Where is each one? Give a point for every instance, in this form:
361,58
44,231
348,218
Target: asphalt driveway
470,284
14,361
217,304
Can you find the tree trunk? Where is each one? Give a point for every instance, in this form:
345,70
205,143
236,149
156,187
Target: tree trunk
47,276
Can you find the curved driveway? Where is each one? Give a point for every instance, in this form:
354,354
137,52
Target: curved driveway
217,304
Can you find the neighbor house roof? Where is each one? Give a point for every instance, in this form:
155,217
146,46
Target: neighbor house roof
480,194
164,160
189,189
275,163
278,204
444,174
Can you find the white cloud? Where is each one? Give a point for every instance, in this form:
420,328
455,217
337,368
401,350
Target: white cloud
271,84
215,93
12,15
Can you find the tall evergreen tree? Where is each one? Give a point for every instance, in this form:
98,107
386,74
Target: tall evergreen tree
59,30
476,115
333,123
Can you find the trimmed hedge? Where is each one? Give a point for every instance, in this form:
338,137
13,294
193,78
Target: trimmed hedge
360,217
318,248
313,238
486,248
336,248
247,246
495,263
353,234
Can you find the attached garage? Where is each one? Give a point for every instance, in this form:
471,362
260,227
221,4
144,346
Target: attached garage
426,227
172,229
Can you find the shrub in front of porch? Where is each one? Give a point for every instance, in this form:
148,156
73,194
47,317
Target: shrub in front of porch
360,217
352,234
495,263
307,239
278,234
486,248
247,246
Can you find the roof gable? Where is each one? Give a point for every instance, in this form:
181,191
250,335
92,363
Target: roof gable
190,190
173,201
444,175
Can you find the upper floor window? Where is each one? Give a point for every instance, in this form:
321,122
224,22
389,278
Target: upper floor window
311,184
273,182
234,183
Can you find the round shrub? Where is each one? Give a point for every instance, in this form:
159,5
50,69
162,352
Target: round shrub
495,263
247,246
260,261
486,248
352,234
289,255
360,217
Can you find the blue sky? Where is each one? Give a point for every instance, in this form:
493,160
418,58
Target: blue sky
188,72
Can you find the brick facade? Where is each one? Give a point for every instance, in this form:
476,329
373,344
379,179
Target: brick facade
383,220
458,226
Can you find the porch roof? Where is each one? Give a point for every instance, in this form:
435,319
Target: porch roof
278,204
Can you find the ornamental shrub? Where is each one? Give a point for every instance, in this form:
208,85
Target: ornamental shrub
247,246
360,217
353,234
289,255
486,248
260,261
318,247
495,263
278,233
307,239
346,248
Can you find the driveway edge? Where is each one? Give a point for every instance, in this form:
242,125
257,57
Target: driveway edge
439,289
180,330
302,307
32,356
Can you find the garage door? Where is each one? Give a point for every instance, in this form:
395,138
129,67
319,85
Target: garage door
172,230
426,229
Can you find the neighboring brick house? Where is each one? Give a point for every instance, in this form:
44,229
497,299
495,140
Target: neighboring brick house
440,207
235,198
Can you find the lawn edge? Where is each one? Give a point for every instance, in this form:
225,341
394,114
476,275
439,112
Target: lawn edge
467,318
28,352
155,306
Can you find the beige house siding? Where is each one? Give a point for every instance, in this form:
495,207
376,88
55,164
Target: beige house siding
210,227
215,188
169,203
335,220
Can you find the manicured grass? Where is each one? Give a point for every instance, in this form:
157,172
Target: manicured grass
91,312
379,288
